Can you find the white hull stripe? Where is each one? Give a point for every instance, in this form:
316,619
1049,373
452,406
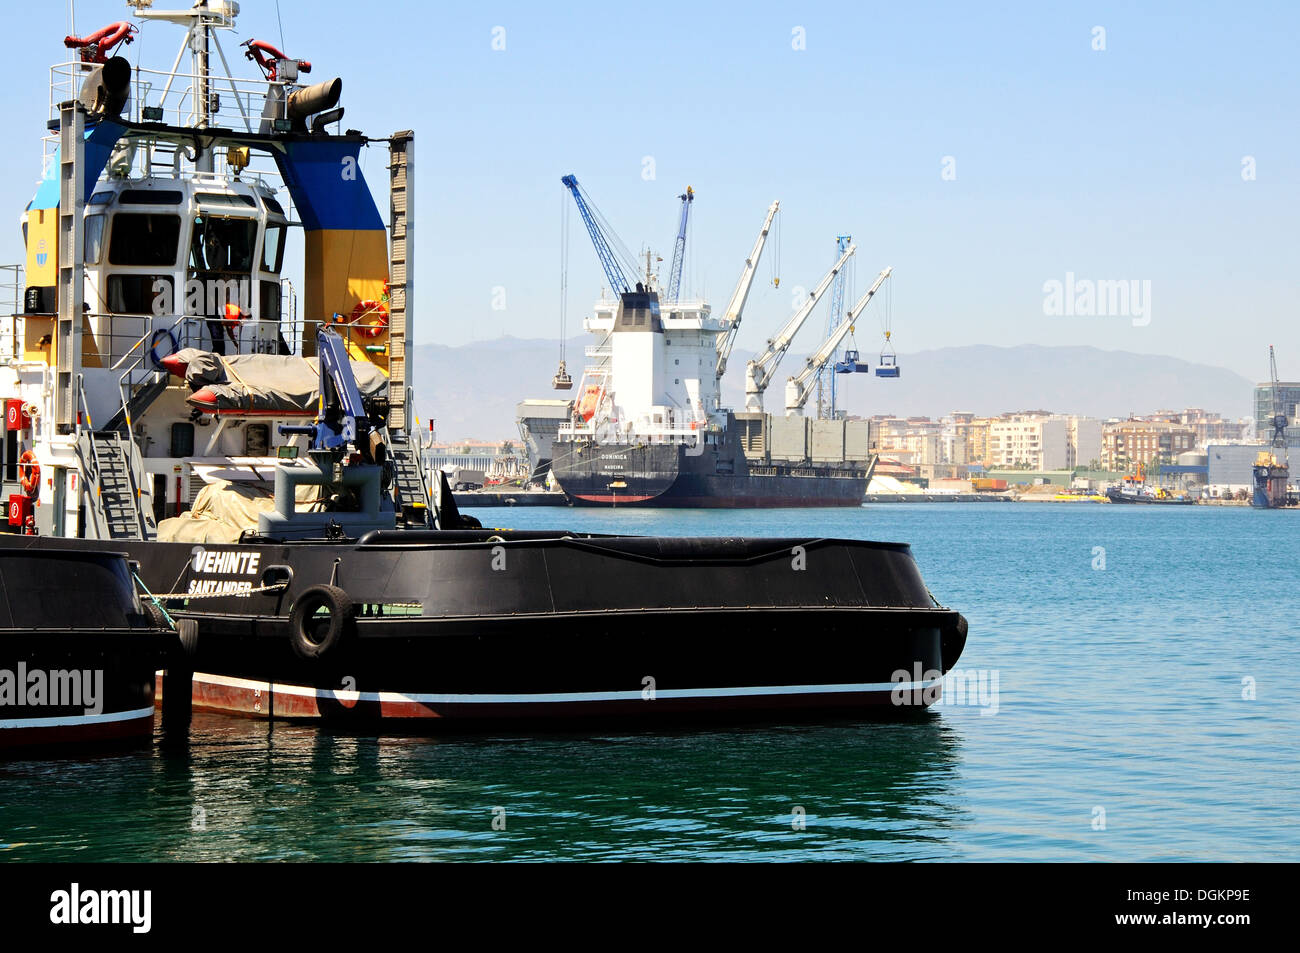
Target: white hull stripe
66,721
346,697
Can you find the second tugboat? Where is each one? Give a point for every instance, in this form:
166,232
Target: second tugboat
261,469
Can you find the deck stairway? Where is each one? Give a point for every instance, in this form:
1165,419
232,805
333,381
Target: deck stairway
412,494
142,395
111,465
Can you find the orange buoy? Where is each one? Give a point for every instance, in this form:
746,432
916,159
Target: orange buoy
376,312
29,473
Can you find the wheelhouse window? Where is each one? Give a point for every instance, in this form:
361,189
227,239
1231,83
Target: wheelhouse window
223,245
151,197
94,239
273,248
139,294
225,199
140,238
269,300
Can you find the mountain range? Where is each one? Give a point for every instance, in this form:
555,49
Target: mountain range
472,390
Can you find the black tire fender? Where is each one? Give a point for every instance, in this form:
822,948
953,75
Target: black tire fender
187,631
312,637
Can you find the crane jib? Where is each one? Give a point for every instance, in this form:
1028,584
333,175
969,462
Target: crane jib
618,282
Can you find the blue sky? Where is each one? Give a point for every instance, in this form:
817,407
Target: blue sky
1115,164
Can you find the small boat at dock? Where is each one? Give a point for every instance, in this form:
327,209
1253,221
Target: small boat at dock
78,651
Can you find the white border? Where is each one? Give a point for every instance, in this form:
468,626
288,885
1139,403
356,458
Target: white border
557,697
66,721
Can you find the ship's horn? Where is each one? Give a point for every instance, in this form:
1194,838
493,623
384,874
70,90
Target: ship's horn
107,88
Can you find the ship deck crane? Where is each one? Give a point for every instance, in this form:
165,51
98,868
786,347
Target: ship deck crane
731,317
679,248
760,371
618,282
797,390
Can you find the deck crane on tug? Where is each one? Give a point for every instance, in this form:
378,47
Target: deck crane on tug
731,317
797,390
760,371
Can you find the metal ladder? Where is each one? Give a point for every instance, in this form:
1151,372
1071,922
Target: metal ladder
113,495
401,283
412,494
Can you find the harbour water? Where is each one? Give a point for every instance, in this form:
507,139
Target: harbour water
1136,665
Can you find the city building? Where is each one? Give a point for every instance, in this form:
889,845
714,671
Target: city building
1231,465
1032,441
1128,443
1289,394
1209,427
1083,441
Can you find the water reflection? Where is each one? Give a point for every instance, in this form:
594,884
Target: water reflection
251,790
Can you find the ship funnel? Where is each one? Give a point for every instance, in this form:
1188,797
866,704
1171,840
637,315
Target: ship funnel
106,90
313,99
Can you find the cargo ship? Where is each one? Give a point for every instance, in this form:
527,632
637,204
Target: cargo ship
648,428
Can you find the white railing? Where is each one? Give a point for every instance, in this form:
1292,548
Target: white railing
239,107
238,101
11,299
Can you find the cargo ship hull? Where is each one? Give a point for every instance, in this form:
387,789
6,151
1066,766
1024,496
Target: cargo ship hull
669,475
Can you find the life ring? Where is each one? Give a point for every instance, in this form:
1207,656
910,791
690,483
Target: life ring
156,339
378,314
314,634
29,473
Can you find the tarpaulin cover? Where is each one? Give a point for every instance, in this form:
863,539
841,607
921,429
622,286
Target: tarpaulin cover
223,510
267,383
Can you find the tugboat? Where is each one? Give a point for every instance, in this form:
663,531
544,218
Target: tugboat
1135,489
74,671
262,469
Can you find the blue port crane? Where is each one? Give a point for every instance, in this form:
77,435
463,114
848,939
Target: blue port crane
597,228
679,249
826,377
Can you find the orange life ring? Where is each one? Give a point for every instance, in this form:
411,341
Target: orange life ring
29,473
378,314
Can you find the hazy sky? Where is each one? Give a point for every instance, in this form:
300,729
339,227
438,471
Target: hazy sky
983,150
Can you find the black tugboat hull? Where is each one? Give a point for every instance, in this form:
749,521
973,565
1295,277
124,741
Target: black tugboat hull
77,657
489,625
644,666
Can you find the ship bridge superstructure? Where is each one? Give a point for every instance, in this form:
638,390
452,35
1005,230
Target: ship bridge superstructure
171,205
653,371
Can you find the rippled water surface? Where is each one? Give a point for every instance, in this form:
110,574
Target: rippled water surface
1120,732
